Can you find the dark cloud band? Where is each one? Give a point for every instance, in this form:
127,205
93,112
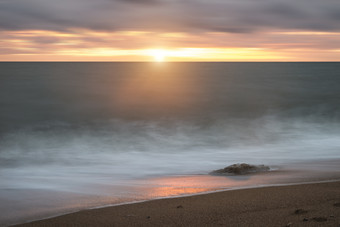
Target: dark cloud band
228,16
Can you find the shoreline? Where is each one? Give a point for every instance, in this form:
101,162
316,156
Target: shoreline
39,205
71,219
198,194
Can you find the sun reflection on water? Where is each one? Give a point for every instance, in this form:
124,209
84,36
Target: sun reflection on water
186,185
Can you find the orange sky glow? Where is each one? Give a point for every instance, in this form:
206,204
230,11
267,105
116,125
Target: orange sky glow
87,45
168,30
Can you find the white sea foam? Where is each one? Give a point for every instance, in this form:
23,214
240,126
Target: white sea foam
59,156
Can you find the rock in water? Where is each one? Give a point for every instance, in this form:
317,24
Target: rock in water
240,169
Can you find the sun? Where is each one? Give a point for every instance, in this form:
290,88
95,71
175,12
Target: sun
159,55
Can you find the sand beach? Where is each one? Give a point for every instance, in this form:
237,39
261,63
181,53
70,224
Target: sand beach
315,204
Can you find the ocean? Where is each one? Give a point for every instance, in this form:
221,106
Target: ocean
80,135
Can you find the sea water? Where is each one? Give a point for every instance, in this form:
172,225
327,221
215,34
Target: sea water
75,135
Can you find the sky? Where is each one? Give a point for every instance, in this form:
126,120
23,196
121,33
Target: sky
170,30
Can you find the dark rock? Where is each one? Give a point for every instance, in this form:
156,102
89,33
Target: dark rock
148,217
337,204
240,169
180,206
319,219
300,211
305,219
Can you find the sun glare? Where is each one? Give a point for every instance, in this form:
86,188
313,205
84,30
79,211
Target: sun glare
159,55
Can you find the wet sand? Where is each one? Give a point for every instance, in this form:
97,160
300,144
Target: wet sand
316,204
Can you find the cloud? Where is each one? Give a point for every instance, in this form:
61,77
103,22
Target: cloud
229,16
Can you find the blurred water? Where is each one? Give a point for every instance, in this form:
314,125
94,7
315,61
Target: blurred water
66,126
